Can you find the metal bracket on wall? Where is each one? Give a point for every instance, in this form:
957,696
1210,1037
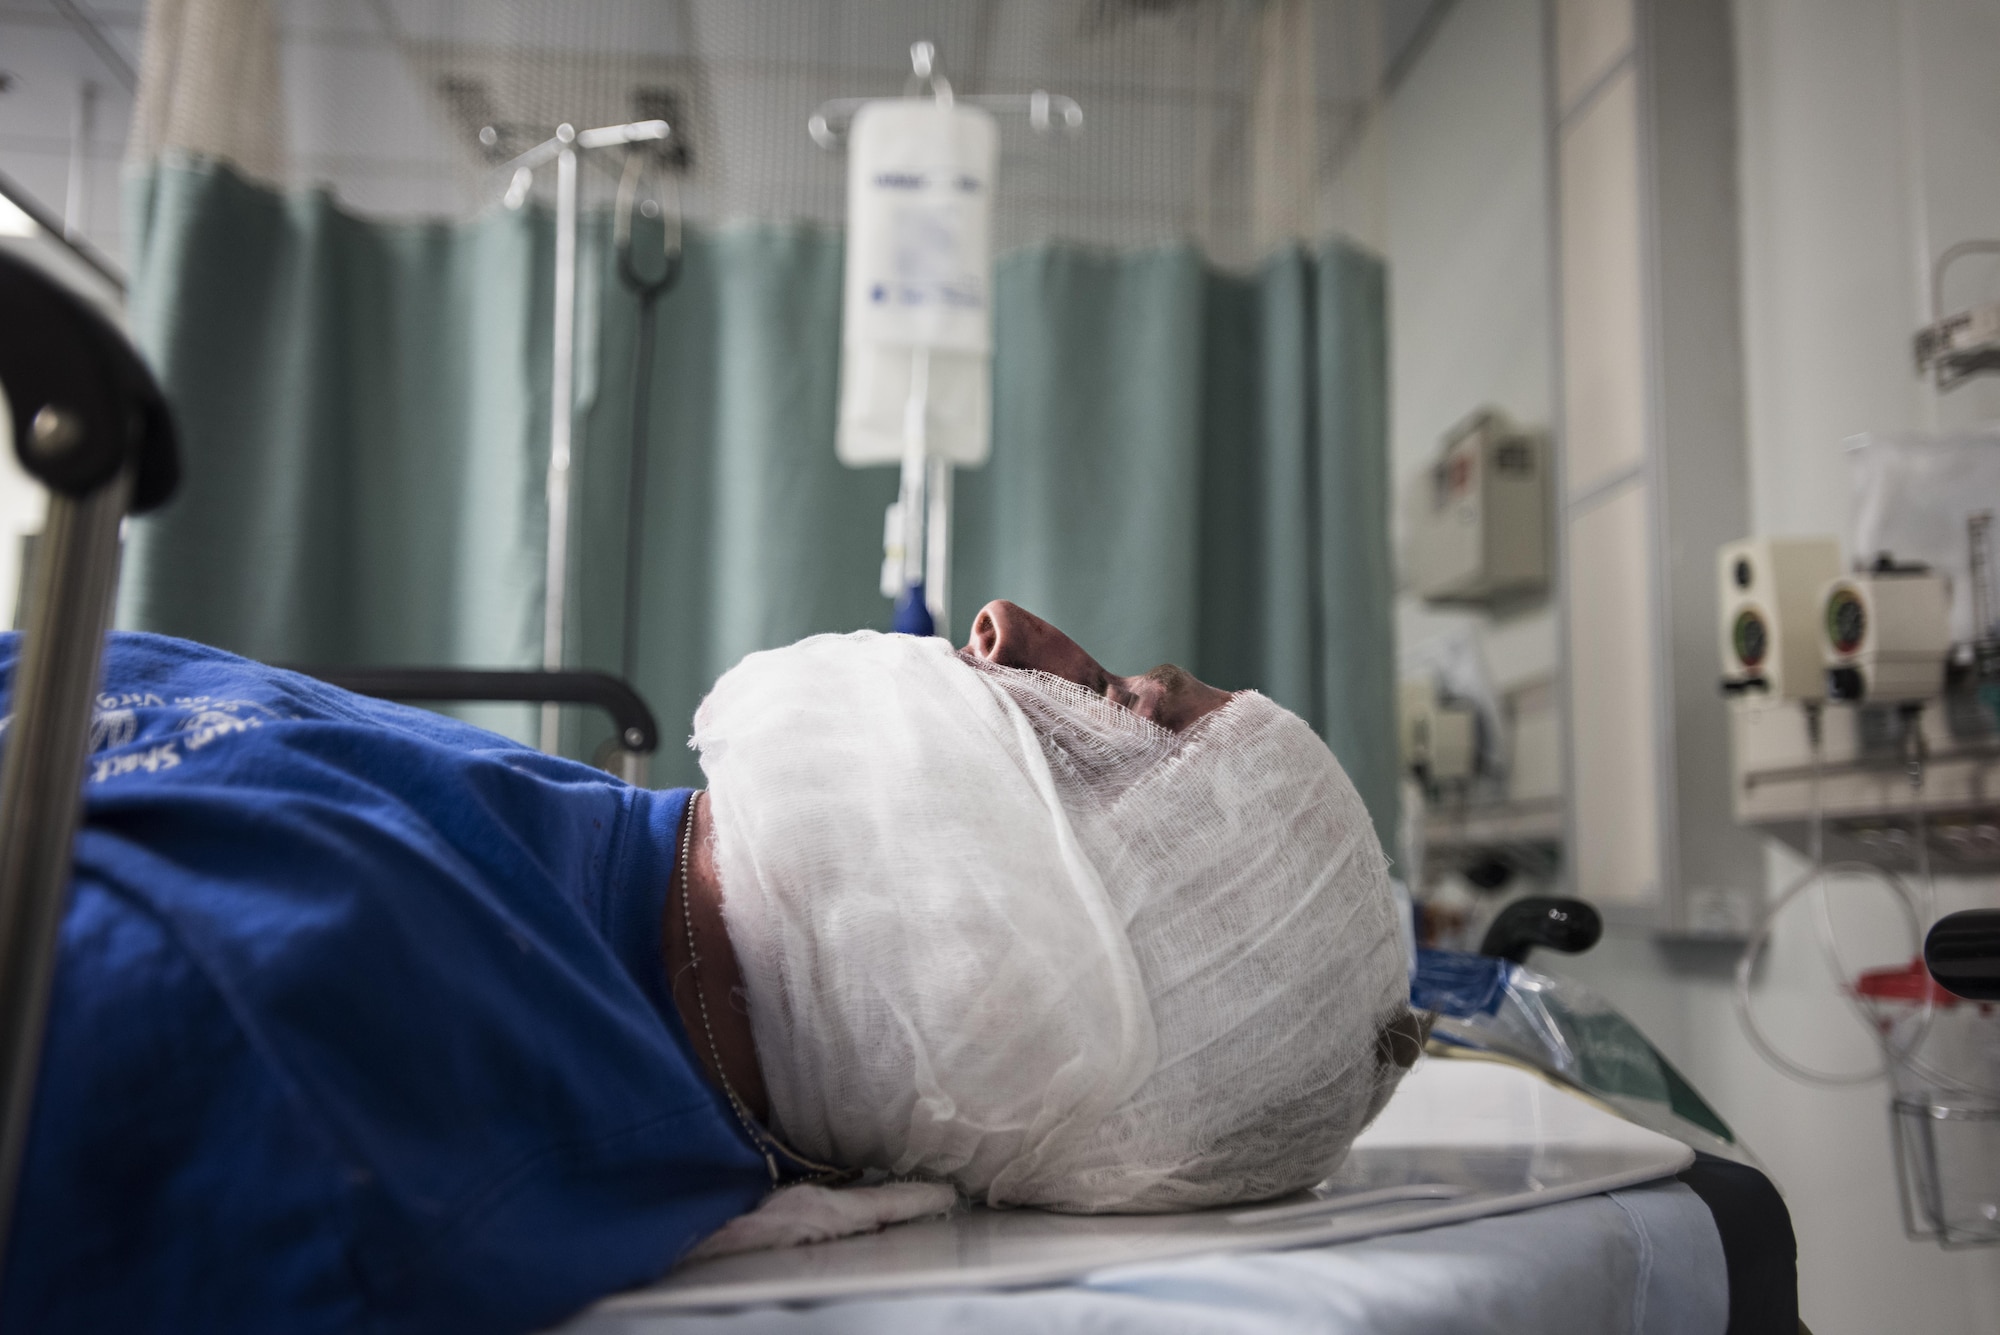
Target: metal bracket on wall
1953,349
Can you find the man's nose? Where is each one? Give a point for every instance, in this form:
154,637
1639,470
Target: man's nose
998,631
1011,636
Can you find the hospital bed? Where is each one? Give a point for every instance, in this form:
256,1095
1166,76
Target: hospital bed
1495,1193
1415,1213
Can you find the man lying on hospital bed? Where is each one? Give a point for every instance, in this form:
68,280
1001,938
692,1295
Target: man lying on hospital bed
365,1017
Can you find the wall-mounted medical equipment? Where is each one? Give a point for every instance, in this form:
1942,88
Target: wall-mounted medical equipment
916,378
1883,782
1840,774
1533,726
1768,595
1952,349
1485,764
1476,521
1887,780
1440,737
1875,793
1834,772
1885,634
1910,649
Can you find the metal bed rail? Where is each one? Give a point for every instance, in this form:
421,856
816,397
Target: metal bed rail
636,733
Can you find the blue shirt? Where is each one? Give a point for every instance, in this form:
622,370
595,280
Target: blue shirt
360,1022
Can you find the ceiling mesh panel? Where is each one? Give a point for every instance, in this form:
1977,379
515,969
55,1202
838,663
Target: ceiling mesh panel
1178,96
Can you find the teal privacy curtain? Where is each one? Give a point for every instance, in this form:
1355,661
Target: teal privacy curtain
364,411
1188,465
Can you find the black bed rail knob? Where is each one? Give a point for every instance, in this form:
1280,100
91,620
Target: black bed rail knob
1568,925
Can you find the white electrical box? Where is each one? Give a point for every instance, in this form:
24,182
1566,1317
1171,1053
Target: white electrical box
1885,634
1440,739
1769,598
1477,519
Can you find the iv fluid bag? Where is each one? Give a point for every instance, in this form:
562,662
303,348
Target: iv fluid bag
919,277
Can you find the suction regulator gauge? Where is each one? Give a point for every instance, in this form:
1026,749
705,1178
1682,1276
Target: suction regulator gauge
1846,620
1750,638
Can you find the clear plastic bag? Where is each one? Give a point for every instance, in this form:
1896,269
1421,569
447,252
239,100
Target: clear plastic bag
1564,1029
1914,493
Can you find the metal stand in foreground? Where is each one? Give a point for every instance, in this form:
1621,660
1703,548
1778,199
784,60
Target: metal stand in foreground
89,424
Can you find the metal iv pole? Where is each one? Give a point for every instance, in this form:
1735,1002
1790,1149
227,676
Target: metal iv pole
564,149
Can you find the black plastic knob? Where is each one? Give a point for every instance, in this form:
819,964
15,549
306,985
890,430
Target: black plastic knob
1962,952
1568,925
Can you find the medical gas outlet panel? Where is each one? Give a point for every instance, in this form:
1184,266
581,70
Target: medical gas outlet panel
1853,709
1487,784
1769,596
1439,736
1476,521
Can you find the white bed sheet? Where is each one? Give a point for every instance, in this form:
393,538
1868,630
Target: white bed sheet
1642,1261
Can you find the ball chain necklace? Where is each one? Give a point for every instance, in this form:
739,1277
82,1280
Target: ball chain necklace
767,1144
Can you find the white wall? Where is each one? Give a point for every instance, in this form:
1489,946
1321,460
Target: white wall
1468,244
1870,140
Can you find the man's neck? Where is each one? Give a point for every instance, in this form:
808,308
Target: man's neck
717,1015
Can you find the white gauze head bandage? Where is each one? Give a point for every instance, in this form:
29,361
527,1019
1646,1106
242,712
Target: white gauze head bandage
998,931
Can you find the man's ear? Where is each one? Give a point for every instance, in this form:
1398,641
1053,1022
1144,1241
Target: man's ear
1401,1041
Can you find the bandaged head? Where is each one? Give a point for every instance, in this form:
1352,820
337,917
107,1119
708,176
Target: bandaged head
998,931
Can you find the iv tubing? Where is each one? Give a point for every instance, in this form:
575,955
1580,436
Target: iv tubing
648,291
1816,874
